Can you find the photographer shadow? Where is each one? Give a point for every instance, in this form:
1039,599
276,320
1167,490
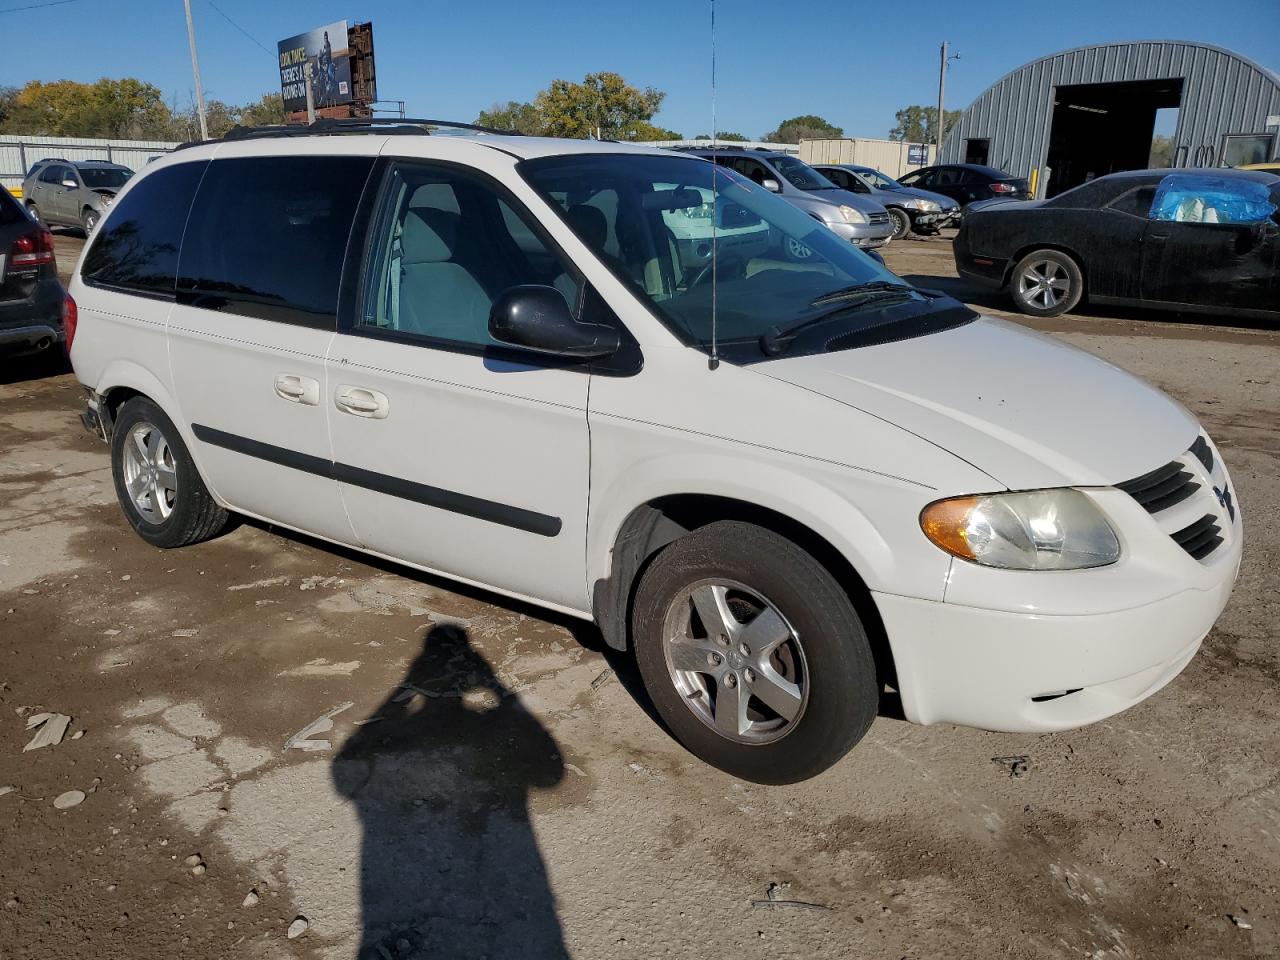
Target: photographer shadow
449,863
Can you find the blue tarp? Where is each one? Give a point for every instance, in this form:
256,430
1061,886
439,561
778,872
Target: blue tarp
1204,198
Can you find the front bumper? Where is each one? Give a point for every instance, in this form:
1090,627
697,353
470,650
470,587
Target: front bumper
867,236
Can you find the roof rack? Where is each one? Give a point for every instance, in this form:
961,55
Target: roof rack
330,126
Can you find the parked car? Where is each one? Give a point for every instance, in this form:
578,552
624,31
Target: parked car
1203,241
1270,167
73,193
31,297
910,209
784,486
967,182
859,220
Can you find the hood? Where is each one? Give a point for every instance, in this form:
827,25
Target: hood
105,192
837,196
1026,409
943,201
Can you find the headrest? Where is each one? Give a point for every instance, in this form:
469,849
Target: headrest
589,224
429,236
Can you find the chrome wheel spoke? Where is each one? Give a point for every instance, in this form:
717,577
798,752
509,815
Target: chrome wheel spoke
167,477
137,486
693,656
780,695
712,605
140,440
763,634
731,708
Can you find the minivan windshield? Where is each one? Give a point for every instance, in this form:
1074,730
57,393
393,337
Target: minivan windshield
652,221
800,175
105,178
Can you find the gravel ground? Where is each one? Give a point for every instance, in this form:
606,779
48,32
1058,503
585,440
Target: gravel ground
524,802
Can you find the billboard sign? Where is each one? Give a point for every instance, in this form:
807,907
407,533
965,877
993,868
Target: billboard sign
917,154
325,48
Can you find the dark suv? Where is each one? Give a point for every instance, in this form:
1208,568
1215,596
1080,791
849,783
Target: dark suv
968,182
31,298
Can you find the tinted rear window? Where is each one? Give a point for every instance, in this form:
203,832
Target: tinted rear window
137,245
10,212
267,236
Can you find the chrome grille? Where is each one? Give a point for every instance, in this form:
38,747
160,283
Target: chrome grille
877,218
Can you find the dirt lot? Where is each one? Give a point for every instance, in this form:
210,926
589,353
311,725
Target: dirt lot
526,804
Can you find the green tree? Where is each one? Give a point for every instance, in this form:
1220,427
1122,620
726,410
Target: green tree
265,111
602,105
126,108
807,127
647,131
724,135
513,115
1161,152
916,124
8,99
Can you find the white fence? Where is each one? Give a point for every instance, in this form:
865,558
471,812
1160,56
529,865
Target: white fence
740,144
890,156
18,153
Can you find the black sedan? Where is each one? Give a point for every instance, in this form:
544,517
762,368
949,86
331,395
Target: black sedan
1205,241
966,183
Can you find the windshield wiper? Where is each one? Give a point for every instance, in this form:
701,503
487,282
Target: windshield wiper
778,339
857,290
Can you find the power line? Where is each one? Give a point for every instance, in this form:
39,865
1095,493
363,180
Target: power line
230,21
38,6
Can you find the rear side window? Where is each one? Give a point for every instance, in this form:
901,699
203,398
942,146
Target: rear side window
1136,202
267,237
10,212
137,246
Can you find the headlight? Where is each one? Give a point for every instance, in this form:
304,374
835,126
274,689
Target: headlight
1037,530
929,206
851,215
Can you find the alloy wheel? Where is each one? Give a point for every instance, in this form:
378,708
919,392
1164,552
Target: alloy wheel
150,474
1044,283
736,661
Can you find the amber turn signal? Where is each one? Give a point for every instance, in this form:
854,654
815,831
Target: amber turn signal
946,524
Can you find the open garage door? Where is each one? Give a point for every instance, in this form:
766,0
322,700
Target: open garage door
1100,128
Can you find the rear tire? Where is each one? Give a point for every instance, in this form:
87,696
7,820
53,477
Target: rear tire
89,221
809,683
1046,283
159,488
35,214
901,222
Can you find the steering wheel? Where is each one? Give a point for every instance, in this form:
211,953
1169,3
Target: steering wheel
728,262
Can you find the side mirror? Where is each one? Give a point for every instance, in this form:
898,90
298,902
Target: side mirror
537,318
771,185
70,183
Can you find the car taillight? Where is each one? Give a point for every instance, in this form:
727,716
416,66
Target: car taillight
32,249
70,315
1003,188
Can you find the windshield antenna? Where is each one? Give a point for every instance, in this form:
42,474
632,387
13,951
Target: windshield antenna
714,362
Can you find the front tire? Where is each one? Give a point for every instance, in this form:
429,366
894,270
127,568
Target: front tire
89,221
1046,283
753,654
901,222
159,488
35,214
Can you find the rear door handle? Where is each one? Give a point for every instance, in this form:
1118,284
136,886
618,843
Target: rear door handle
297,389
362,402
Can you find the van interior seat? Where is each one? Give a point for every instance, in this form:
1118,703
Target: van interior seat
439,296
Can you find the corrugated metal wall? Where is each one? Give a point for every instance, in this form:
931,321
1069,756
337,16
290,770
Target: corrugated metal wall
18,153
887,156
1221,93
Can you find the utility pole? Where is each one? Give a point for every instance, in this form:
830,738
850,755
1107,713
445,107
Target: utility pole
195,69
311,93
942,87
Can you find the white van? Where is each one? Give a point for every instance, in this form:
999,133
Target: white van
790,487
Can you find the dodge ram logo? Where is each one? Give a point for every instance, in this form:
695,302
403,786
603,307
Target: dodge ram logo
1224,498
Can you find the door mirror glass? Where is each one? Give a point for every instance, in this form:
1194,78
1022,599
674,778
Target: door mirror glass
771,185
537,318
69,183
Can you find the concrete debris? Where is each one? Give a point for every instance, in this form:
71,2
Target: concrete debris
321,724
199,869
1242,924
72,798
602,679
77,735
5,790
1017,766
192,860
250,899
185,632
298,928
368,720
53,727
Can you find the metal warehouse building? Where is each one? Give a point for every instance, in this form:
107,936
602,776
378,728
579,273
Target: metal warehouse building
1086,112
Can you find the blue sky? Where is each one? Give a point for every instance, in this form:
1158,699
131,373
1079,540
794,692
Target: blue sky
854,62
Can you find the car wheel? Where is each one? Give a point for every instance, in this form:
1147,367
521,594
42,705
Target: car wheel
1046,283
35,213
795,250
901,222
159,488
753,654
89,220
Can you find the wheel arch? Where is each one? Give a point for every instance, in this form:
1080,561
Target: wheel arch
662,520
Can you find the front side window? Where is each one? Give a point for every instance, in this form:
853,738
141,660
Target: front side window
136,247
105,178
1205,198
667,212
446,244
877,179
800,175
268,235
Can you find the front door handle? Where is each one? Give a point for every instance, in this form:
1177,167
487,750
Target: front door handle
362,402
297,389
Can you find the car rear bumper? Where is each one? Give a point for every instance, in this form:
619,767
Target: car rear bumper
1022,672
33,323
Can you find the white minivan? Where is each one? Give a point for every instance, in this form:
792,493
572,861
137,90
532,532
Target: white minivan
789,487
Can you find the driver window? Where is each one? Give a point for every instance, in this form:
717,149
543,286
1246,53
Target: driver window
446,245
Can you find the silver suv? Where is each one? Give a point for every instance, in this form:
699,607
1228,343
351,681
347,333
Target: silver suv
860,220
68,193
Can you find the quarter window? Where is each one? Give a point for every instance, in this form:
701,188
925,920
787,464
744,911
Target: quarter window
445,245
136,248
268,235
